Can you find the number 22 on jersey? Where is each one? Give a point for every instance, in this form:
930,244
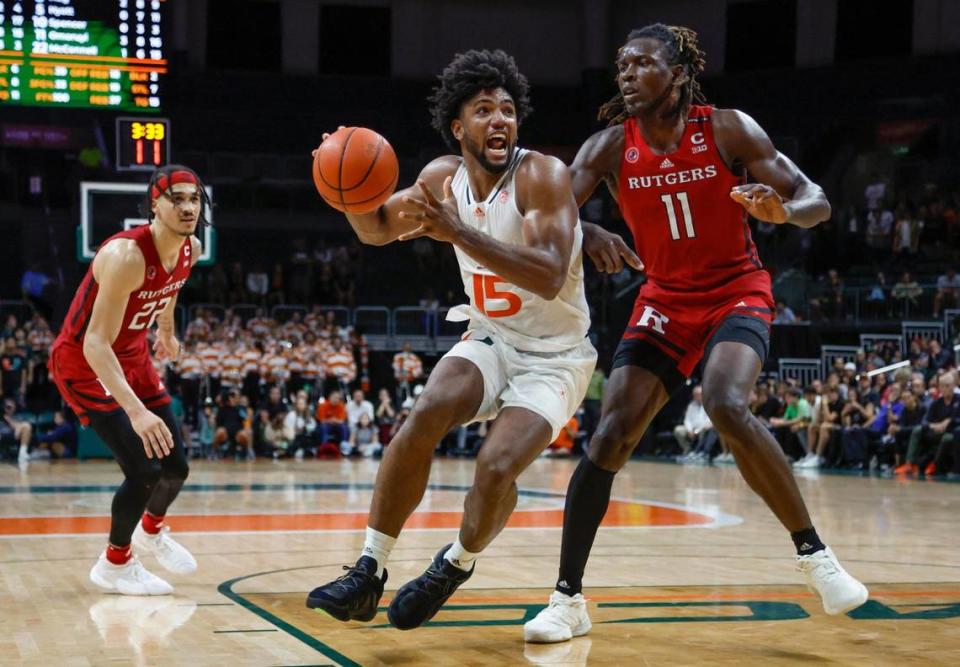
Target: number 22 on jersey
485,288
147,315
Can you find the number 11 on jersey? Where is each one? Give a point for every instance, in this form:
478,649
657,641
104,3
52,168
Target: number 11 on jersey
672,215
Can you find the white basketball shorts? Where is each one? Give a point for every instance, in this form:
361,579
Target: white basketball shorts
551,384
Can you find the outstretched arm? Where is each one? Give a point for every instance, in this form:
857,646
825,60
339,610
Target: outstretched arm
782,193
540,263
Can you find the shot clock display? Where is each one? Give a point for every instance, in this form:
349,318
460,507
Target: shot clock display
143,144
93,54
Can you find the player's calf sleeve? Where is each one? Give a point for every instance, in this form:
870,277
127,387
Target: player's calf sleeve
128,504
587,498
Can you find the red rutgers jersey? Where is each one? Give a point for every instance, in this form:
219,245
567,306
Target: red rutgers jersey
687,230
77,382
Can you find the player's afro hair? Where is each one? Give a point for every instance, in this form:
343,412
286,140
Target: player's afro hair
468,74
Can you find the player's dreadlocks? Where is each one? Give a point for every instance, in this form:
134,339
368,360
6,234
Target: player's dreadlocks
682,49
161,182
468,74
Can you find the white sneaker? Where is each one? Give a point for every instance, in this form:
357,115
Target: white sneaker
131,578
172,555
565,617
23,456
838,591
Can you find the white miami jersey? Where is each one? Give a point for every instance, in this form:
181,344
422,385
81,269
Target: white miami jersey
521,318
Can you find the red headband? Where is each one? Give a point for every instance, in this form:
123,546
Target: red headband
164,181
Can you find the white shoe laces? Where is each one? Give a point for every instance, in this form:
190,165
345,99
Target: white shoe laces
819,566
561,606
138,572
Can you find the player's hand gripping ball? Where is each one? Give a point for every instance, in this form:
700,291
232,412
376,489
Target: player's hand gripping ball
355,170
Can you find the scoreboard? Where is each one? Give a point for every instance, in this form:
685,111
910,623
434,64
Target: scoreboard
94,54
143,144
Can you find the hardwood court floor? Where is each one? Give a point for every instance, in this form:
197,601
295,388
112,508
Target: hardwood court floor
690,568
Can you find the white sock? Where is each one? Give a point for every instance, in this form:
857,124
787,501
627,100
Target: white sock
460,557
378,546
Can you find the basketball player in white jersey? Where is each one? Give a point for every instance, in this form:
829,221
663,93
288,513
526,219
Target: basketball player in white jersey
525,359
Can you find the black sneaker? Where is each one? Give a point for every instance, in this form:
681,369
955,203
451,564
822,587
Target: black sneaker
354,596
419,600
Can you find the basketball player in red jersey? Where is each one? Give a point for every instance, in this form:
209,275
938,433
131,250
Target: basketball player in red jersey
678,171
102,367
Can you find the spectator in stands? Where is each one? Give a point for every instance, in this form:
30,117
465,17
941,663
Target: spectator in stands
258,284
695,423
880,234
9,327
906,293
906,235
189,368
272,406
764,404
358,405
273,439
948,286
831,303
407,369
332,421
902,425
340,365
232,429
199,328
14,432
40,338
796,417
784,314
876,305
364,438
61,439
820,433
385,415
300,427
13,371
875,192
208,427
858,412
941,418
939,357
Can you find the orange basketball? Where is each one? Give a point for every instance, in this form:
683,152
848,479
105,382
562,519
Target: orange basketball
355,170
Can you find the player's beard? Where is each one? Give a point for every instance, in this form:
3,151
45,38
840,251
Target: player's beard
477,152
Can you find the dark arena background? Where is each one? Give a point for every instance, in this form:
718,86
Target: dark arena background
286,304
